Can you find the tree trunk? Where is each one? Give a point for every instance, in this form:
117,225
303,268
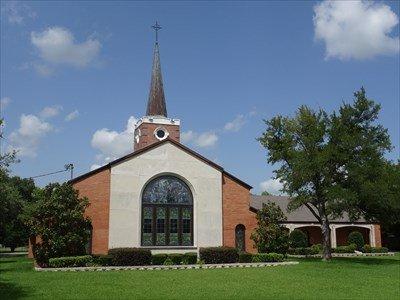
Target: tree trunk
326,239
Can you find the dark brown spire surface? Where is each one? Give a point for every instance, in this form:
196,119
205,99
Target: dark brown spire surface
156,104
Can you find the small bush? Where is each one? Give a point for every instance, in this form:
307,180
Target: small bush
158,259
189,258
298,239
219,255
176,258
356,238
304,251
70,261
369,249
130,256
102,260
345,249
317,248
267,257
245,257
168,262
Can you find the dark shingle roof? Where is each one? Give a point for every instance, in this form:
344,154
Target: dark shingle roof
301,214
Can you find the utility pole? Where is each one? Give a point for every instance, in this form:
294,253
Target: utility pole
70,167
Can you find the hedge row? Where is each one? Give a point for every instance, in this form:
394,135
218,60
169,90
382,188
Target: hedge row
174,259
369,249
304,250
141,257
70,261
345,249
219,255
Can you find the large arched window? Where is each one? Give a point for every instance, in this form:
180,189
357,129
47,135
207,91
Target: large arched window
167,213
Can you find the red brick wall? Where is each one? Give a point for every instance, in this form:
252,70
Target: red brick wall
313,233
342,234
236,210
147,134
97,188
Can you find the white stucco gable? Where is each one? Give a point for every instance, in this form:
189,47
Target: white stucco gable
130,176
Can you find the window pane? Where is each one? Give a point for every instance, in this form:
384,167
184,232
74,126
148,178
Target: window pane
160,226
167,190
186,226
147,237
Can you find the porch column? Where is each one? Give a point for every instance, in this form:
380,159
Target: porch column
372,236
333,235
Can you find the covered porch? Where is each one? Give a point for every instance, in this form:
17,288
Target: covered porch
339,232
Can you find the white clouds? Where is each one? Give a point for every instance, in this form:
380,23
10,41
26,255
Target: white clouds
16,12
57,45
72,116
203,140
4,102
356,29
113,144
50,111
272,186
27,137
236,124
206,139
187,136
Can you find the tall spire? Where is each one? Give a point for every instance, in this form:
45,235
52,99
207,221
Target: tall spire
156,104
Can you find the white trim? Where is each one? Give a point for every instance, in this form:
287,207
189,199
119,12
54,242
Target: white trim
157,120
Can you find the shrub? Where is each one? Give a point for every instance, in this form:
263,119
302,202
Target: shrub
298,239
70,261
130,256
102,260
304,251
317,248
158,259
168,262
267,257
176,258
245,257
369,249
345,249
189,258
57,216
356,238
218,255
270,235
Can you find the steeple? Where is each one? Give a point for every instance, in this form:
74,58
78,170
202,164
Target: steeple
155,126
156,104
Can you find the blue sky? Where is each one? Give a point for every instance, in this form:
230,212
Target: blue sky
226,66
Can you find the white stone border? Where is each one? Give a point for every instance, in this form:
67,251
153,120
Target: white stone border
172,267
344,255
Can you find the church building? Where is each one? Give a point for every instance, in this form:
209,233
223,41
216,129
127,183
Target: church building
168,198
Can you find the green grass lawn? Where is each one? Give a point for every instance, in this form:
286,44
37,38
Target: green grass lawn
345,278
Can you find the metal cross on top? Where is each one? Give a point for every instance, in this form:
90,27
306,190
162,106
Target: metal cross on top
156,28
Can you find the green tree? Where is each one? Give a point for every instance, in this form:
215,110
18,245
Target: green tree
323,158
265,193
57,218
270,235
15,194
9,157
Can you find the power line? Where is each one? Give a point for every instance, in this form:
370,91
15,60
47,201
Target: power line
47,174
67,167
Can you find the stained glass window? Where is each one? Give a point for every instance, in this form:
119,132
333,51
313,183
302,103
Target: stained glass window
167,213
167,190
